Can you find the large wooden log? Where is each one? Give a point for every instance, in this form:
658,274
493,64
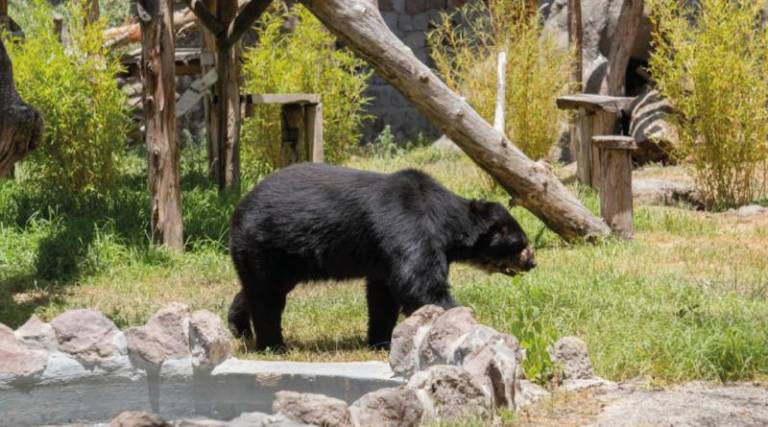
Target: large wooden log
158,75
21,126
531,184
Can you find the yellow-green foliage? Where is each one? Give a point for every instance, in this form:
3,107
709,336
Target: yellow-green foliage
465,47
302,61
714,68
74,87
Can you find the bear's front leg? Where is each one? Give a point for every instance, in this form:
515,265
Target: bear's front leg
382,314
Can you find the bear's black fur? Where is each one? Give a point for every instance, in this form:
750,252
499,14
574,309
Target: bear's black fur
399,231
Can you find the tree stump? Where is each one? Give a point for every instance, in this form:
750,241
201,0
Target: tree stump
616,182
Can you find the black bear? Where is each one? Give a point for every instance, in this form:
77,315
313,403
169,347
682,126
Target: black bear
399,231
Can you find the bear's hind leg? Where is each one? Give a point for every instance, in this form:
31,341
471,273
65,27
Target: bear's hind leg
240,317
382,314
266,310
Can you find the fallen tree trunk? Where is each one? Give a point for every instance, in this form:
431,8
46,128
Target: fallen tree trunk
531,184
131,33
21,126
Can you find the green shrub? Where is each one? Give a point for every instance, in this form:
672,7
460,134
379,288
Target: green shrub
304,60
712,63
74,87
465,47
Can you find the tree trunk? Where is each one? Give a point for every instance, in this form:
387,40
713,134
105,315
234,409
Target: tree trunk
21,126
158,75
532,184
576,43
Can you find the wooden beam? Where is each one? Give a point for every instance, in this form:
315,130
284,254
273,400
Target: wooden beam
245,19
205,17
314,123
616,182
594,103
282,98
531,184
159,96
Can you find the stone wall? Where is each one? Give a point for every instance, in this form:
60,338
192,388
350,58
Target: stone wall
409,20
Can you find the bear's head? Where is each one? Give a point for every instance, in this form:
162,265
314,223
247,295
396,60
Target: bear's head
502,246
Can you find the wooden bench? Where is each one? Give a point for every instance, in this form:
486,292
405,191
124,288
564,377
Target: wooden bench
615,154
594,114
302,124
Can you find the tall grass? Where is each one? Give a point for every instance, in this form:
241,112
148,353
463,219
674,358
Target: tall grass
711,60
465,45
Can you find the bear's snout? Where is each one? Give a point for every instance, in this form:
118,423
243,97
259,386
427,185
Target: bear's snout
527,259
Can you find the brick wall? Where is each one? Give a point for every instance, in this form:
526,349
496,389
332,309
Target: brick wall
410,21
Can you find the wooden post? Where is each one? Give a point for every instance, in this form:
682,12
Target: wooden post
616,182
293,148
314,123
92,12
159,96
58,26
575,42
584,122
501,92
3,15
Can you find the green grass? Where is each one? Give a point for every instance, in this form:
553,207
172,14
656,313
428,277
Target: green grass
687,299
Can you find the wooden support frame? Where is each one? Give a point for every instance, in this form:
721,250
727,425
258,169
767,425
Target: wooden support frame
615,152
205,17
302,124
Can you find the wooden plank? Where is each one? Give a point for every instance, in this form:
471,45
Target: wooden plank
195,93
314,123
158,76
594,103
282,98
614,142
583,122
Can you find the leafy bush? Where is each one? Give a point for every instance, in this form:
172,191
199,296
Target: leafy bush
304,60
465,45
712,63
75,89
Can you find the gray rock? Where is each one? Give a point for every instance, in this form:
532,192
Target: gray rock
310,408
165,336
200,422
37,334
480,336
17,361
445,143
138,419
388,407
594,383
444,336
664,193
751,210
259,419
210,341
449,393
495,367
689,405
570,353
406,338
528,393
87,335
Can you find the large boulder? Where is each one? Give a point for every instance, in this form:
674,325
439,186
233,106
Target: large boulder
599,20
310,408
480,336
210,341
438,345
259,419
449,393
37,334
17,361
571,355
165,336
388,407
406,338
87,335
